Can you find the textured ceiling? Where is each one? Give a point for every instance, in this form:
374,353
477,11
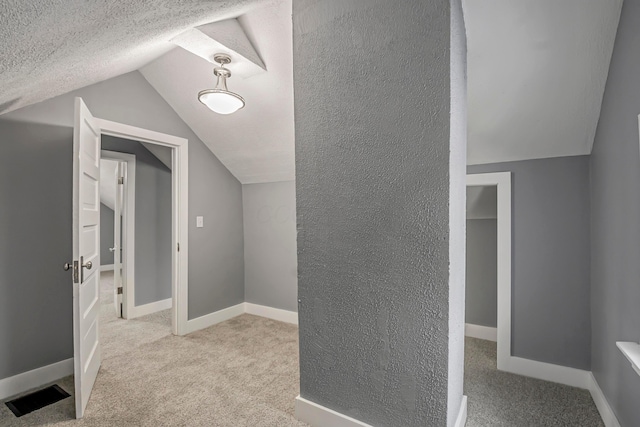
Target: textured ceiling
50,47
537,70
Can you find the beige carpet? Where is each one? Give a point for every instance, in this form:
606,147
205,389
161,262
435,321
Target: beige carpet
243,372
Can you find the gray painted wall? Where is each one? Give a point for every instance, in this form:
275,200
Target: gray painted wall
551,259
216,262
106,234
270,258
35,228
153,221
615,224
373,194
481,298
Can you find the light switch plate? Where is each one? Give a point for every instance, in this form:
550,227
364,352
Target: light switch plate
199,221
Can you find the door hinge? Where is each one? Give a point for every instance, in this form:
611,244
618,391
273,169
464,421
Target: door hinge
120,180
178,247
120,290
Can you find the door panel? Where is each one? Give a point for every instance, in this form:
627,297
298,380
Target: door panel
86,251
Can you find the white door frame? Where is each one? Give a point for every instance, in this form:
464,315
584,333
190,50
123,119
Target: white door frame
180,205
128,230
501,180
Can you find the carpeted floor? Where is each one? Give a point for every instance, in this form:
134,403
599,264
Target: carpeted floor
244,372
500,399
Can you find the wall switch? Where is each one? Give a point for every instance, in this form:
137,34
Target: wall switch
199,221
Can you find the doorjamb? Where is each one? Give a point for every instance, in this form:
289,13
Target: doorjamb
129,230
501,180
180,205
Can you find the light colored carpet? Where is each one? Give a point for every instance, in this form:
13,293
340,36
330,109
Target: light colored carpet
500,399
244,372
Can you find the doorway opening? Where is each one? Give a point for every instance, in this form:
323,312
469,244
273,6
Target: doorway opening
87,145
489,203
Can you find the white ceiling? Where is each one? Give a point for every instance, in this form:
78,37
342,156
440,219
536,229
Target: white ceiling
537,70
256,143
536,76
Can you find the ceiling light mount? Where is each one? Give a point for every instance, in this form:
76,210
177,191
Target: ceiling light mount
220,100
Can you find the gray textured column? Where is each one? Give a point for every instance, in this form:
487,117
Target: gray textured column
380,162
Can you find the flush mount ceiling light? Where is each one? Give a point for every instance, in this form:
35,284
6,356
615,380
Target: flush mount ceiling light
219,99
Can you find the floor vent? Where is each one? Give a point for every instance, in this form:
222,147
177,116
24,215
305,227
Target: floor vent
37,400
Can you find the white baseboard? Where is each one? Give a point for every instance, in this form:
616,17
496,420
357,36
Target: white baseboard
213,318
461,421
319,416
154,307
271,313
546,371
106,267
606,413
36,378
481,332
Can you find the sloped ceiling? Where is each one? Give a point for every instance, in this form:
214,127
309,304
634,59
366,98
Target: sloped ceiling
536,76
536,68
50,47
255,143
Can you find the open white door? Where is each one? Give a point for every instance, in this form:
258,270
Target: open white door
86,253
117,239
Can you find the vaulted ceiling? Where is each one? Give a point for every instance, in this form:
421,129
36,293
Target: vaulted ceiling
536,68
536,76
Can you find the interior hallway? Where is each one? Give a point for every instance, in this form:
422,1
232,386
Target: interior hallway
244,372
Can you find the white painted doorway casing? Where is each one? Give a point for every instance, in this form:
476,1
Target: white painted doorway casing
506,361
501,180
86,253
180,219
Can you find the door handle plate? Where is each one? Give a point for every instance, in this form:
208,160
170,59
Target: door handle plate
84,265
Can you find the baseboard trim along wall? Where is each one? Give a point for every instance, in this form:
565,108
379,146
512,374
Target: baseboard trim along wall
35,378
106,267
481,332
214,318
549,372
461,421
271,313
153,307
606,413
320,416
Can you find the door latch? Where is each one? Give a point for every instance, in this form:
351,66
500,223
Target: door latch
68,267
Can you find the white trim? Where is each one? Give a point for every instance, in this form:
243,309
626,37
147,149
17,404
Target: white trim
211,319
153,307
180,211
461,421
481,332
549,372
35,378
128,230
631,351
271,313
106,267
502,180
319,416
606,413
